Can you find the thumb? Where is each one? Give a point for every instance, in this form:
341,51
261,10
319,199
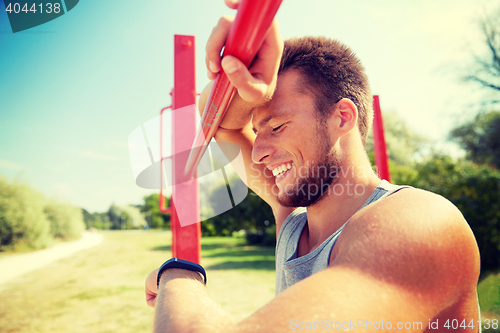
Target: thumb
251,88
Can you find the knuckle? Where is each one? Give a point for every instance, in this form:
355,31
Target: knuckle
226,20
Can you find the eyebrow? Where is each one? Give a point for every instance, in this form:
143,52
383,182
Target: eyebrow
266,120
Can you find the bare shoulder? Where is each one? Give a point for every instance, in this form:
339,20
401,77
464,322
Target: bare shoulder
413,238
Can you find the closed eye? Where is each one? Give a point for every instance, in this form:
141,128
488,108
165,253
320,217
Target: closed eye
277,129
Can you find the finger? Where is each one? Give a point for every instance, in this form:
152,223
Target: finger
215,44
232,3
151,300
151,287
268,57
252,89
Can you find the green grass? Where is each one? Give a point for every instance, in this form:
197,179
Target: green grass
102,289
489,298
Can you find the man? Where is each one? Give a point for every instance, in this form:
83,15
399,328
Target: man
405,260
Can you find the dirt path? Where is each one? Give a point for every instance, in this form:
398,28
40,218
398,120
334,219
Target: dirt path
18,264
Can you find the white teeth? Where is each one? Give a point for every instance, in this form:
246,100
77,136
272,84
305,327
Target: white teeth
281,169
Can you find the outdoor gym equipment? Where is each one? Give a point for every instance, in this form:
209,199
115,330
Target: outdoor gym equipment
253,19
245,38
379,146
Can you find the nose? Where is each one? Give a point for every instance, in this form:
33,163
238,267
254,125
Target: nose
262,149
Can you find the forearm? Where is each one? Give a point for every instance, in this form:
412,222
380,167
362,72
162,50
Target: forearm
183,305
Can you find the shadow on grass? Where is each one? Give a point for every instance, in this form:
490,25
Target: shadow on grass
215,246
250,264
256,257
242,253
162,248
204,247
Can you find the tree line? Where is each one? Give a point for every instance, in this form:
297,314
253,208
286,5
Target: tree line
29,220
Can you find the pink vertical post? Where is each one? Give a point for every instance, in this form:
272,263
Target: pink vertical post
185,240
379,146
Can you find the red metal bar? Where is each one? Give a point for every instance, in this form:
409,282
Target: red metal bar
247,34
161,202
379,146
185,197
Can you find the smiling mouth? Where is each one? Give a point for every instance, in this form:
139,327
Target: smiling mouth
281,170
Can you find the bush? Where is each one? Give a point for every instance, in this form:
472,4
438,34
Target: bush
253,215
66,222
96,220
125,217
22,218
266,237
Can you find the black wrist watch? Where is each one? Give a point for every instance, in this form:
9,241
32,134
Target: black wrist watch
182,264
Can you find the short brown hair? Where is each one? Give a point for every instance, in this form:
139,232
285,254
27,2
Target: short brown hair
332,72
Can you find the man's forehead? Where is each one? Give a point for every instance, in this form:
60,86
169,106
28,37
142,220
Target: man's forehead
263,115
290,85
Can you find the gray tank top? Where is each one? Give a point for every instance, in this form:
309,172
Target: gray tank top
289,268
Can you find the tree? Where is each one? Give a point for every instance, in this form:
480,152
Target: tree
87,219
96,220
22,218
125,217
66,222
253,215
155,218
486,71
480,138
404,146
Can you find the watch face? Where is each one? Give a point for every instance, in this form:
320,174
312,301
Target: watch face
213,170
26,14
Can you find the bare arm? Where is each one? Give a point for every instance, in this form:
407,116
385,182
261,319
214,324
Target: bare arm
255,86
184,306
407,267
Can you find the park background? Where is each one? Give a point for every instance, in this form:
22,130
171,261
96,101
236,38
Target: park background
73,89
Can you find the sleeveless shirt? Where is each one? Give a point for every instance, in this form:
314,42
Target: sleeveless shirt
289,268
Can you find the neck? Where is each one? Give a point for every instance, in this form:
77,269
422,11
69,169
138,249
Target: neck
354,184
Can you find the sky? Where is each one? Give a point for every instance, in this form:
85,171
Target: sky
73,89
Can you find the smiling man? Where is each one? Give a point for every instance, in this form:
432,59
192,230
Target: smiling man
353,252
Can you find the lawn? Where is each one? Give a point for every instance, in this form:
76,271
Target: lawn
489,298
101,289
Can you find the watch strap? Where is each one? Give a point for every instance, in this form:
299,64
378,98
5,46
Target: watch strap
182,264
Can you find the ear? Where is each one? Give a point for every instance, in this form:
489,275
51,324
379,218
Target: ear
345,115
